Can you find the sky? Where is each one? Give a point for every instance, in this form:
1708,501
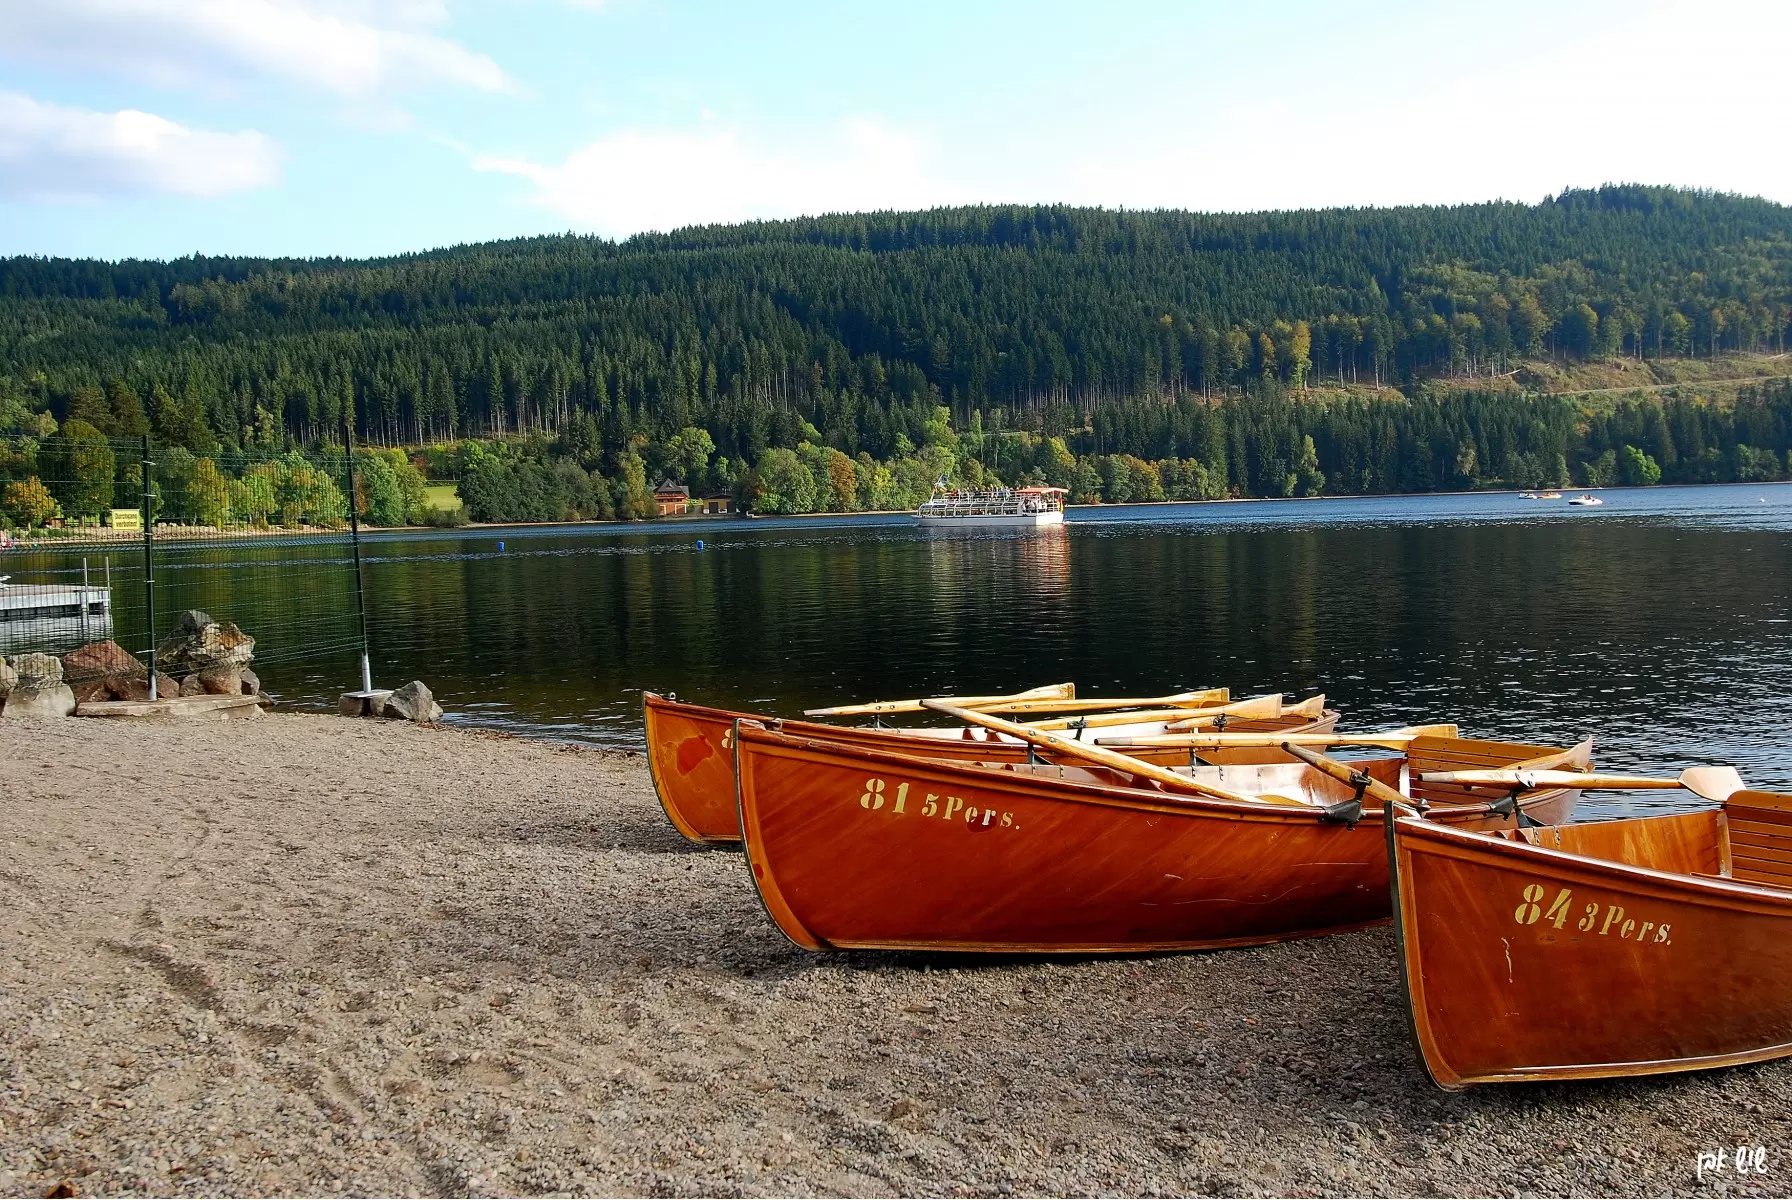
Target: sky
160,128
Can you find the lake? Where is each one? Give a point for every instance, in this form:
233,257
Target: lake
1658,622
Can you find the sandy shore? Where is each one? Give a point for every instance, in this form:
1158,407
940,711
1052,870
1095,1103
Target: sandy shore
313,955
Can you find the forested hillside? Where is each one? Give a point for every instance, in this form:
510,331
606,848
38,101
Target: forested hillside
1010,342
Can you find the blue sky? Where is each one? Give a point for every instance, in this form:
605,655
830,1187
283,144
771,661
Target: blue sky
155,128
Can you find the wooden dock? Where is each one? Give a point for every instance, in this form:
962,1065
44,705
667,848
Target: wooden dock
53,601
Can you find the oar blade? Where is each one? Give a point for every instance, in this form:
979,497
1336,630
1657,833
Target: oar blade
1712,783
1051,691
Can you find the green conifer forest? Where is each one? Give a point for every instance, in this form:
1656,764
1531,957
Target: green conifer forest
846,362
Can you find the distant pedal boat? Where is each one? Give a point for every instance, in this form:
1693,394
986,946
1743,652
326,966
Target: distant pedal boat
1629,947
993,508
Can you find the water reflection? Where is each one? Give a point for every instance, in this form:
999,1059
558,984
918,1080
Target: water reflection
1658,622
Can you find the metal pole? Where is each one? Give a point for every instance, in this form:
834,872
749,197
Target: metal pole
84,595
149,566
354,533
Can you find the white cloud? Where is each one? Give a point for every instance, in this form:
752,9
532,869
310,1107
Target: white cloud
49,152
637,180
1508,115
351,47
1618,92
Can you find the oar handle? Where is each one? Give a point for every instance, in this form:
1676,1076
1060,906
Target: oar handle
1345,773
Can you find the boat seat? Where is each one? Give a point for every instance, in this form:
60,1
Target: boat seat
1759,825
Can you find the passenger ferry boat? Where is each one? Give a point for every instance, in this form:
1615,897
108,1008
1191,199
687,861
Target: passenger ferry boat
999,508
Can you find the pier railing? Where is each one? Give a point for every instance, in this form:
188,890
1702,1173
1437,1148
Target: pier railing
109,539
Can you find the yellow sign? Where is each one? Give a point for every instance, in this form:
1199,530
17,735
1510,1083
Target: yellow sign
126,518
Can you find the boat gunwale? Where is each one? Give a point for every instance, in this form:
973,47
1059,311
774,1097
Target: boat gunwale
784,745
1462,845
1161,801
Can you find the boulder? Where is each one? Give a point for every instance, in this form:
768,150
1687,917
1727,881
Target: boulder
412,702
37,670
192,686
363,704
101,660
251,682
8,677
221,681
138,689
39,690
39,701
98,669
92,689
199,643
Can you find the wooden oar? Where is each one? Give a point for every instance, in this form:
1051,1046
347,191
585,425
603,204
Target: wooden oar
1051,691
1575,756
1257,708
1134,716
1711,783
1095,754
1391,739
1345,773
1177,703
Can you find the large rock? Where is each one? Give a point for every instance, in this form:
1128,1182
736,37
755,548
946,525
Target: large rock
412,702
251,682
221,681
39,691
37,670
101,660
138,689
100,670
39,701
199,644
8,677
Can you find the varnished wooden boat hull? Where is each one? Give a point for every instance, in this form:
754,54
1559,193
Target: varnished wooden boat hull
858,847
1525,962
691,760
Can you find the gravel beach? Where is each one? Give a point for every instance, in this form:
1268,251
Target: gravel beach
305,954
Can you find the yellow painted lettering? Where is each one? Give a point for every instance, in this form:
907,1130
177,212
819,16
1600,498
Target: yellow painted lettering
874,795
901,795
930,805
1586,922
1007,819
1661,936
1642,935
1624,932
970,815
987,814
1527,910
1558,909
953,804
1613,912
728,738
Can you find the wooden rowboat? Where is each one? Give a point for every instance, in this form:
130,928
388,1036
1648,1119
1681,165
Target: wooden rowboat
1630,947
690,755
855,845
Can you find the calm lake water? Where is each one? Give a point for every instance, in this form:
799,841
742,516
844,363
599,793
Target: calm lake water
1661,622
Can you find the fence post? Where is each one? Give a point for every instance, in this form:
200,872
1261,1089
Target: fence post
354,533
149,564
